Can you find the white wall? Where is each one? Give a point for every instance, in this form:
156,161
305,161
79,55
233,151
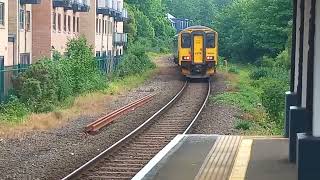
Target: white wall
316,100
4,35
306,48
297,47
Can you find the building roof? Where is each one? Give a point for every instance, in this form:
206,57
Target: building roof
170,16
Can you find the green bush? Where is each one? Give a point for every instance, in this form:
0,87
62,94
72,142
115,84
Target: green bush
13,110
259,73
49,82
273,98
234,70
134,61
267,62
283,60
243,125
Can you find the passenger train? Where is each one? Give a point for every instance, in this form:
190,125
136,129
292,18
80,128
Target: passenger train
196,51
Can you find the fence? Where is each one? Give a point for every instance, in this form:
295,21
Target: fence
108,64
8,74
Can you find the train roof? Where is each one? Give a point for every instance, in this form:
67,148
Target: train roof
198,28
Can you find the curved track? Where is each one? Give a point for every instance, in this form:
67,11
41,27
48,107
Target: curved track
126,157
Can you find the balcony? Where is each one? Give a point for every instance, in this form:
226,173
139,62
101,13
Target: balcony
30,1
104,11
125,14
85,8
66,4
80,7
121,16
118,16
120,39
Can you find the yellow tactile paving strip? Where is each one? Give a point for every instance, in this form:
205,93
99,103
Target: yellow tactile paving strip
243,157
219,162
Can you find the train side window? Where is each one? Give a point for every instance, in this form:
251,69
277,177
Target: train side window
210,40
186,40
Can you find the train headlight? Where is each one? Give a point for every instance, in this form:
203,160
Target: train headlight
210,58
186,58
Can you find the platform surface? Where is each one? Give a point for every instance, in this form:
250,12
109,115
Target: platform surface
269,160
184,160
213,157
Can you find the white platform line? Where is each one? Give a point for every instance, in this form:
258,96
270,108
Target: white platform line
154,161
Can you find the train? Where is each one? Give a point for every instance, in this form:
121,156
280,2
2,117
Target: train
196,52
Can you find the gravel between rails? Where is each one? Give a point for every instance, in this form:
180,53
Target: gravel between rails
128,159
217,118
55,153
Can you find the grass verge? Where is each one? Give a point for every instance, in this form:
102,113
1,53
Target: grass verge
89,104
243,95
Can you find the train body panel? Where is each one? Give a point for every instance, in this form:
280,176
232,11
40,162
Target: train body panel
197,52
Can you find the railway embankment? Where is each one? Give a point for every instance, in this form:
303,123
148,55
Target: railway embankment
56,150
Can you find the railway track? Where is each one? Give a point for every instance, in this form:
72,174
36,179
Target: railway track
129,155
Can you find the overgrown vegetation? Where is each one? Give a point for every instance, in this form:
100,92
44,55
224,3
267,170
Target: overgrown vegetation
255,35
53,83
258,91
49,82
248,29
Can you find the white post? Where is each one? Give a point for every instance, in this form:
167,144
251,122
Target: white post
316,91
296,80
307,15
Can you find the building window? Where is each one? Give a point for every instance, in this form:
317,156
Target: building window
2,13
21,19
28,21
65,23
108,31
106,27
25,58
59,22
98,54
74,24
103,27
78,24
100,27
54,21
104,54
110,27
69,23
97,25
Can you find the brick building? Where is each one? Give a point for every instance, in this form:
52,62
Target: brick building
107,18
54,23
32,29
57,21
20,31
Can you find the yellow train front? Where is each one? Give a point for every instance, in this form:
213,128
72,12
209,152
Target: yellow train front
197,52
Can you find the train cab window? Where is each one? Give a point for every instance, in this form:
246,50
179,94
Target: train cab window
186,40
210,40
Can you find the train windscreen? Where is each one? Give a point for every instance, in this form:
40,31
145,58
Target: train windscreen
186,40
210,40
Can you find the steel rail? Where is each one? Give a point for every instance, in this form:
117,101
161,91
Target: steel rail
95,159
200,110
109,118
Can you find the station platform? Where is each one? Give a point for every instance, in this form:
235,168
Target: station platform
215,157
